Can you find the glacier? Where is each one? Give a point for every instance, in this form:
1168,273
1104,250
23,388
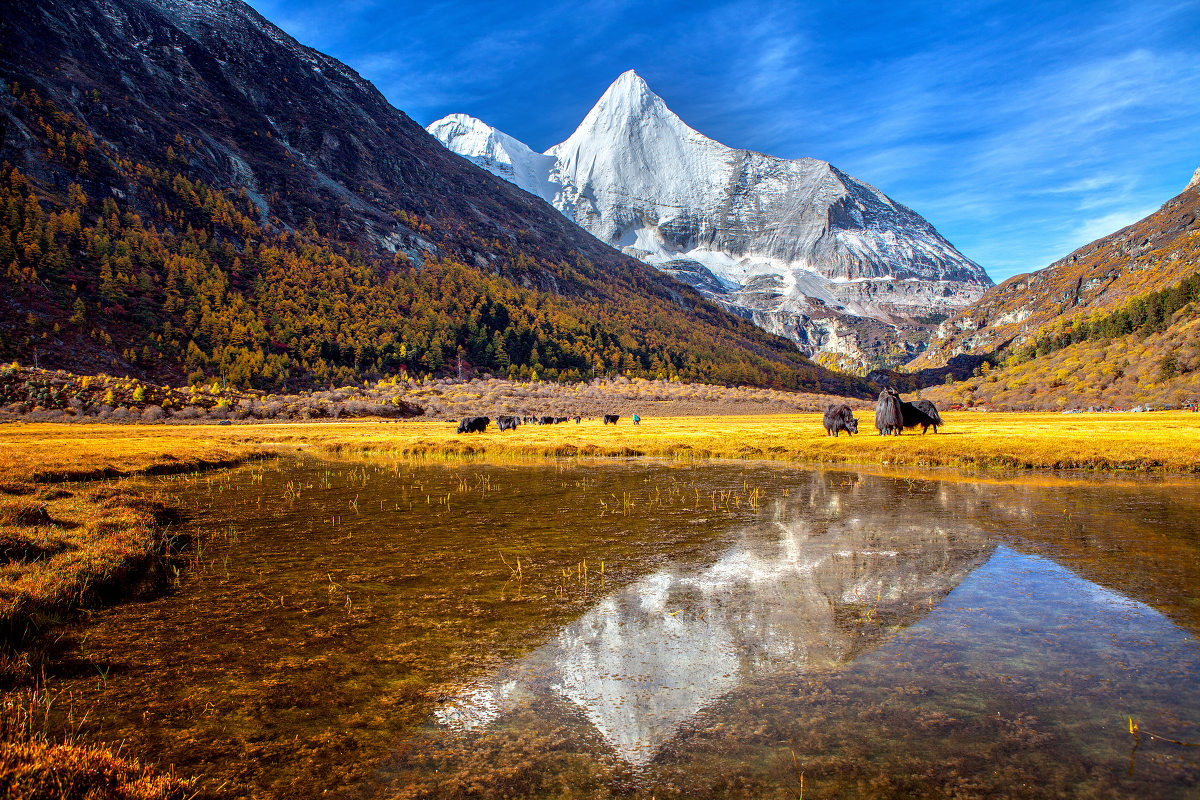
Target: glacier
796,245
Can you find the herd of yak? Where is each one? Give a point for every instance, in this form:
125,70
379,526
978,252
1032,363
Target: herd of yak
479,424
892,415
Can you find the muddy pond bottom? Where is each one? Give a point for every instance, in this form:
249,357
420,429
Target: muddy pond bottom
638,629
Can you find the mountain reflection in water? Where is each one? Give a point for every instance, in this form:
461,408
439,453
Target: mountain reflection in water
889,635
794,595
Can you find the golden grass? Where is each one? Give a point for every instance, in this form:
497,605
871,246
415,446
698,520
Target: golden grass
1168,442
62,549
44,453
39,770
1163,441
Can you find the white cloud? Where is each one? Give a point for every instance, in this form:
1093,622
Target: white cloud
1098,227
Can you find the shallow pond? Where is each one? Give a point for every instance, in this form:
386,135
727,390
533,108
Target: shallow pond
652,630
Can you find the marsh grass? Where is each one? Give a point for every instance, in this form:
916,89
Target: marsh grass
70,538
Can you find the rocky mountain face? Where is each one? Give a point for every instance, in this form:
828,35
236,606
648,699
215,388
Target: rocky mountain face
800,247
125,98
1147,256
304,134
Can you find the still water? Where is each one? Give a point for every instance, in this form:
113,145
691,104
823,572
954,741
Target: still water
650,630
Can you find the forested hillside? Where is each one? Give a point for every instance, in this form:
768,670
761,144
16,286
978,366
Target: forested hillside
1150,255
184,195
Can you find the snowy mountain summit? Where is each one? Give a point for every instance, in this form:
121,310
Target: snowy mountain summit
798,246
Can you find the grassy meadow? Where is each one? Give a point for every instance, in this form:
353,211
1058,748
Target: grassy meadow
1161,441
1168,441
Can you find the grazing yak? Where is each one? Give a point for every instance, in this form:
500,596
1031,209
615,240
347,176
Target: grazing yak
474,425
931,416
611,419
508,423
840,418
893,414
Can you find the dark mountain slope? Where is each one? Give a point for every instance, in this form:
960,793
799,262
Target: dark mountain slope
206,194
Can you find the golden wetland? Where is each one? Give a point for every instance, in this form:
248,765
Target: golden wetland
393,610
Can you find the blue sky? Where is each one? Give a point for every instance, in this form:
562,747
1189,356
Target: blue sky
1020,130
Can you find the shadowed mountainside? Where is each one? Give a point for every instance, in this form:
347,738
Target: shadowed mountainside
189,191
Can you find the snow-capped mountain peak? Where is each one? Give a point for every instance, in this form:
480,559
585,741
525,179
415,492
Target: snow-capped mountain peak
773,238
497,152
626,106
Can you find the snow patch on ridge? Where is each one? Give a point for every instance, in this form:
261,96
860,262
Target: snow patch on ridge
497,152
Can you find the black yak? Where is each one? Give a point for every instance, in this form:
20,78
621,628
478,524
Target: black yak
508,423
611,418
889,419
474,425
840,418
893,414
931,416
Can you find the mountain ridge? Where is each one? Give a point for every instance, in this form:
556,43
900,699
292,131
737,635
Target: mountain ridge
1146,256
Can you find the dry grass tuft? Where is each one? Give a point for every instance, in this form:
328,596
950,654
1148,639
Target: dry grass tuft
45,771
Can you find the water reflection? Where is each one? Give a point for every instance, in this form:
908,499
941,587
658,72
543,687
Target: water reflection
796,594
352,628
